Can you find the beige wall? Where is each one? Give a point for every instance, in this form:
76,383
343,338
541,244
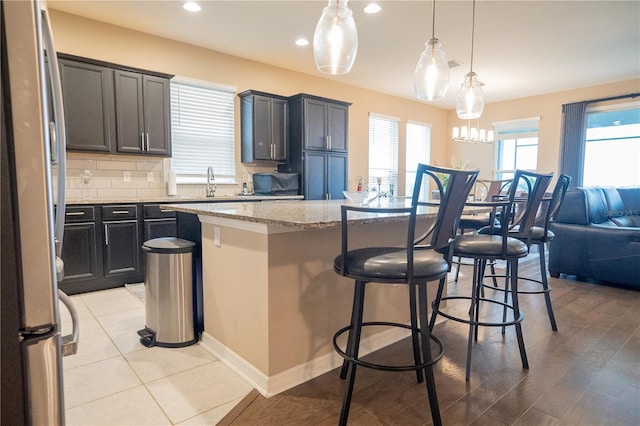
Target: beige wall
92,39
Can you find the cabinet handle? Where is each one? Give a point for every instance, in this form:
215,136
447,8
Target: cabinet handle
141,141
74,213
106,235
120,212
147,148
329,140
165,211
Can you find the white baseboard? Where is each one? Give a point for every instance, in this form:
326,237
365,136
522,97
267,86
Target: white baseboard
273,385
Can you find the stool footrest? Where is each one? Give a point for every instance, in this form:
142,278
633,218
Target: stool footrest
374,366
533,280
482,323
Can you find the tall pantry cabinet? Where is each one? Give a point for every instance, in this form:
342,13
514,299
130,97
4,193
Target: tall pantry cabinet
318,145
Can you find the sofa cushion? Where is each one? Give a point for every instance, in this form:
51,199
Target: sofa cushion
597,204
615,206
574,208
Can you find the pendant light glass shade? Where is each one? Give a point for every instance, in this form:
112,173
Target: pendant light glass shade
335,41
431,77
470,102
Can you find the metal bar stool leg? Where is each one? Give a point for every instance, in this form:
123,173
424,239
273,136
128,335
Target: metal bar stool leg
545,286
472,315
506,294
516,312
426,355
414,331
350,338
436,303
356,321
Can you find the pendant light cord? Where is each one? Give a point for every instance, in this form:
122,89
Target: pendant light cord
473,30
433,22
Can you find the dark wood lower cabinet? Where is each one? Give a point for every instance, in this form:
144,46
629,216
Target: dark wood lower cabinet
121,248
79,251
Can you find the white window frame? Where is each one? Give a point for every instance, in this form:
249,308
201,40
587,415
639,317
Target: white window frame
517,130
384,133
203,131
411,163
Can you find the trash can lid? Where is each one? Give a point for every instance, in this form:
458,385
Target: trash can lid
168,245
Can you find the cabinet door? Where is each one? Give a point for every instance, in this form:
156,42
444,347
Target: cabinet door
157,115
279,128
122,247
262,134
79,252
129,111
156,228
315,176
315,124
337,127
336,176
87,92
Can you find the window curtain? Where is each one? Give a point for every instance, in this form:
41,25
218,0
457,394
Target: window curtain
574,121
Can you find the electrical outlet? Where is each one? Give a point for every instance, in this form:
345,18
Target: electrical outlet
126,176
216,236
149,176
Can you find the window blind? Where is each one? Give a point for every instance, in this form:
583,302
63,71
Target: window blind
202,131
383,152
517,129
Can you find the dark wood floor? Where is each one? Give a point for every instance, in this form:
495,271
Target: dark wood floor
586,373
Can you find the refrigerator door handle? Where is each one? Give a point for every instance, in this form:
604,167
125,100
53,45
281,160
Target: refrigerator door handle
60,134
70,341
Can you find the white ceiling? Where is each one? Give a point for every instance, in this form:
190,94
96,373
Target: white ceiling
522,48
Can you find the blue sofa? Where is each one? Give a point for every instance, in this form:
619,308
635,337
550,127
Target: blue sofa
597,235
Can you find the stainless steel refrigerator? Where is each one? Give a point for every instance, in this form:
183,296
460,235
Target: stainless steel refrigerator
33,136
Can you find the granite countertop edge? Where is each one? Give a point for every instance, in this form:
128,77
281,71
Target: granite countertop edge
179,199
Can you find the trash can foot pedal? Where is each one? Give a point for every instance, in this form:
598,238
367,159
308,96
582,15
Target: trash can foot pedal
147,337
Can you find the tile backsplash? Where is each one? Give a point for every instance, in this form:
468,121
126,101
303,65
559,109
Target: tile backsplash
107,177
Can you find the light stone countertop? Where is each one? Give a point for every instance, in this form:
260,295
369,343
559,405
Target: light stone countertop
315,214
179,199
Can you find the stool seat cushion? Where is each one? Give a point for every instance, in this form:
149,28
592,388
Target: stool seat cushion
487,247
390,264
537,233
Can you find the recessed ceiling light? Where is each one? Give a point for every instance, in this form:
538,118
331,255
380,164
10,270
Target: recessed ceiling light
372,8
302,42
191,6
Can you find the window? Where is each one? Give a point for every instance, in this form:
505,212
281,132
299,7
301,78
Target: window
612,148
418,151
383,152
516,147
202,131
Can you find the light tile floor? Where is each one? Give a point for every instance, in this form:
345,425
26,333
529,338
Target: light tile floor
114,380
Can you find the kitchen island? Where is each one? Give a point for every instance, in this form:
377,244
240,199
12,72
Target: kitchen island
272,301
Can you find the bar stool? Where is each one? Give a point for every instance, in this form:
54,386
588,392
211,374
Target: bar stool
539,236
505,244
425,257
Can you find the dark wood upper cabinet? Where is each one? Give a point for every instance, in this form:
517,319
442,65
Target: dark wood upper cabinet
325,124
142,113
87,92
319,130
115,109
264,126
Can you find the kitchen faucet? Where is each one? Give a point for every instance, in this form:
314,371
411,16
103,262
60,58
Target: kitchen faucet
211,186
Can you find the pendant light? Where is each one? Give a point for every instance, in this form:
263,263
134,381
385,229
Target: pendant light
335,41
431,76
470,102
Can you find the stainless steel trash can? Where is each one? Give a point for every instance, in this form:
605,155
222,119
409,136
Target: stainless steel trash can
168,293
